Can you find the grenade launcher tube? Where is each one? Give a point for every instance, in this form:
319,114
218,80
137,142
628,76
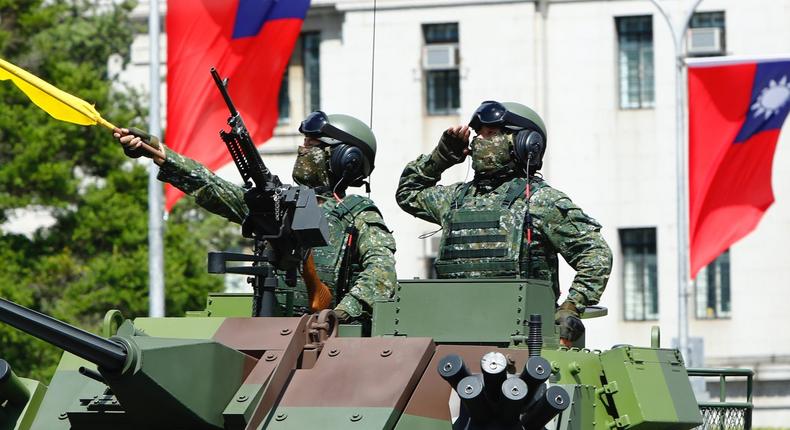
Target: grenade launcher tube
106,354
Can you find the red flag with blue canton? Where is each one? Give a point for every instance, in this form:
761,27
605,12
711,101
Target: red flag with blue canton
249,41
736,110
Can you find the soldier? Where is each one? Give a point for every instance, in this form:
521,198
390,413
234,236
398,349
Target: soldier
338,152
507,222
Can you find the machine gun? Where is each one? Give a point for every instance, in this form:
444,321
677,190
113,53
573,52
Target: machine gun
284,219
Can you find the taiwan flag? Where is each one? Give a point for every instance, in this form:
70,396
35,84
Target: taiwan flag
736,110
248,41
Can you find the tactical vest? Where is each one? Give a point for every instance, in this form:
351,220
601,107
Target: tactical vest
485,238
330,259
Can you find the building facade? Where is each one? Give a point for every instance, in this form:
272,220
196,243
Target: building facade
602,75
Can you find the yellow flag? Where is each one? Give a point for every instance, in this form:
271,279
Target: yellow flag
58,103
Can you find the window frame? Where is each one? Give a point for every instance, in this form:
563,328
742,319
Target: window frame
643,312
296,87
722,262
451,88
646,96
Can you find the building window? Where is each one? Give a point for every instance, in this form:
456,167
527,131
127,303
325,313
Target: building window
301,84
635,61
706,35
311,57
440,63
283,99
640,273
713,289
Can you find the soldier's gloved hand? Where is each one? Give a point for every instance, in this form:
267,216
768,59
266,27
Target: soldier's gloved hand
342,316
133,139
452,148
571,327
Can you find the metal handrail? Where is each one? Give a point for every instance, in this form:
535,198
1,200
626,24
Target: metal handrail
723,374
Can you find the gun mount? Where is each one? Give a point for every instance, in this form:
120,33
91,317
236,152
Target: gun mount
284,220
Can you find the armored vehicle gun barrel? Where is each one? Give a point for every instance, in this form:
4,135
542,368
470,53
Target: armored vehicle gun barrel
104,353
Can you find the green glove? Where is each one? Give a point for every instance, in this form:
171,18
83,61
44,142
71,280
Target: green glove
449,151
567,317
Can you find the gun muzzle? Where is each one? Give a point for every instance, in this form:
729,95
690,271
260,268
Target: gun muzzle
102,352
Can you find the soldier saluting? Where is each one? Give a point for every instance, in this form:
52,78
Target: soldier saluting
338,152
507,222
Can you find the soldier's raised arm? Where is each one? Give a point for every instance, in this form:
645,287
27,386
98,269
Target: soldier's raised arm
211,192
417,192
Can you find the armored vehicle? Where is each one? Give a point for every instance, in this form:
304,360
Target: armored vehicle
469,354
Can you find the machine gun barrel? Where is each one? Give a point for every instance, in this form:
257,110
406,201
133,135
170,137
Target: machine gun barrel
104,353
240,144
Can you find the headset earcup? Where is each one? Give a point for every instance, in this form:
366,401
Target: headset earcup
347,162
528,147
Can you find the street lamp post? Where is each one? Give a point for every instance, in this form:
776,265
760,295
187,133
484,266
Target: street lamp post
678,37
156,277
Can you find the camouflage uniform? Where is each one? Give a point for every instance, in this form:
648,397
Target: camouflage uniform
483,230
373,266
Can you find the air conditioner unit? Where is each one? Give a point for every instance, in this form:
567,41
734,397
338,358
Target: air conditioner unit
436,57
704,40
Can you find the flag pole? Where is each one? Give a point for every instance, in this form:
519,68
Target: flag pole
678,37
156,281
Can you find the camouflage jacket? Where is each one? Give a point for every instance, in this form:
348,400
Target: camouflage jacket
558,227
375,259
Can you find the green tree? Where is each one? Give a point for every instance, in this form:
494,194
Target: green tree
94,257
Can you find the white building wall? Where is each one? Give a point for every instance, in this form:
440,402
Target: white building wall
619,165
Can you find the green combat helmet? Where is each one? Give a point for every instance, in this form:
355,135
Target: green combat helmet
353,145
529,144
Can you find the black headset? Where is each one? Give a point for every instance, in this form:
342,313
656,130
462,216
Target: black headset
528,148
348,164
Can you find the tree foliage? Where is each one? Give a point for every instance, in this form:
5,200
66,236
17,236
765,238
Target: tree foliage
95,255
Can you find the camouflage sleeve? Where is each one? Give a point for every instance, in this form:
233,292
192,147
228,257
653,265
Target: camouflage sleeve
577,237
418,193
376,248
211,192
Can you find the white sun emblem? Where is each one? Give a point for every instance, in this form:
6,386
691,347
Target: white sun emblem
772,98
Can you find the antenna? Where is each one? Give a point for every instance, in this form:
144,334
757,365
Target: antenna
372,65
